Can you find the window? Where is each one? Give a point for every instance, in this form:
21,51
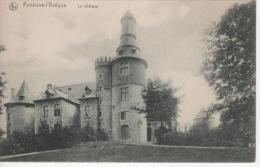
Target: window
100,101
48,95
8,117
133,51
57,110
124,94
86,110
87,90
101,77
69,89
100,88
120,52
57,126
124,132
123,115
45,111
124,68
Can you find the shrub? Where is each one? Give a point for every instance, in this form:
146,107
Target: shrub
18,142
101,135
87,134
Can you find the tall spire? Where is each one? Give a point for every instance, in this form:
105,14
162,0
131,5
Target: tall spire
128,33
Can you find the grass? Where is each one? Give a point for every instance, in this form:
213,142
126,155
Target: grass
117,152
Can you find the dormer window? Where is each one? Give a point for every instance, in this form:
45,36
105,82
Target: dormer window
87,90
48,94
21,97
124,68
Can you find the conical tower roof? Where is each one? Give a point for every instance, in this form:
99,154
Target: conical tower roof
128,15
23,96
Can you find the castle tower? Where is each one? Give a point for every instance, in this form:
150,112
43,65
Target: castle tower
103,91
128,82
20,111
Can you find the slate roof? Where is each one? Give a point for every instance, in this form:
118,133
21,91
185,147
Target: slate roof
128,14
23,96
79,90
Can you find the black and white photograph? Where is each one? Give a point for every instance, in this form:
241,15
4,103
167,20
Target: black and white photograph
147,81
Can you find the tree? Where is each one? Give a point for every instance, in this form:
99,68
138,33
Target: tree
230,68
2,83
1,133
161,102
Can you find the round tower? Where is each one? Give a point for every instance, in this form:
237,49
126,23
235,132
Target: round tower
20,111
103,91
128,82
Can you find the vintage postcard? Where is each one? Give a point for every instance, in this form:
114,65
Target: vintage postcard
128,81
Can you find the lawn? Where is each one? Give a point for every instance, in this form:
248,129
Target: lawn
116,152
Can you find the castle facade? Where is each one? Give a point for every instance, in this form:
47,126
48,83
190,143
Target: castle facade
109,103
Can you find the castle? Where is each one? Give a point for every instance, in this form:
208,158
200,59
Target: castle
109,103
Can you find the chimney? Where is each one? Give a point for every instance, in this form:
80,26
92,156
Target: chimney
12,92
49,86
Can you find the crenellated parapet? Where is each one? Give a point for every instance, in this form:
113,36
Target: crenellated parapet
103,61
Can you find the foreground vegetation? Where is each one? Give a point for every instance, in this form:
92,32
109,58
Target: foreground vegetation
18,142
117,152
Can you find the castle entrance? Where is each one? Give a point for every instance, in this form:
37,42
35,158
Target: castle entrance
124,132
149,134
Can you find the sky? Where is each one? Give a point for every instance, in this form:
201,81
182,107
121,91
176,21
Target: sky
60,45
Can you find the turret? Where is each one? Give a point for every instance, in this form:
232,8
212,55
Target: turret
128,65
128,43
103,91
103,73
20,110
128,82
100,61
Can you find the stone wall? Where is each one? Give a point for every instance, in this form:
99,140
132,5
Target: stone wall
69,113
136,122
21,117
136,72
105,109
92,115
